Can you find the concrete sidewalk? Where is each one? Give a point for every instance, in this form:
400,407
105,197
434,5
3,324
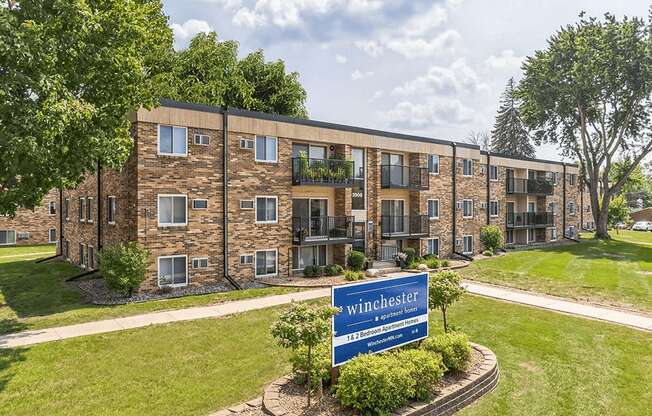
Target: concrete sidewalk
510,295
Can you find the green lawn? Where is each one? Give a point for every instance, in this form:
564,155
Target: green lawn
617,272
551,364
34,296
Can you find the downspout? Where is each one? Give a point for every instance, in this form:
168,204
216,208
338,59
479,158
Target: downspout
454,195
563,219
488,187
99,206
225,194
61,222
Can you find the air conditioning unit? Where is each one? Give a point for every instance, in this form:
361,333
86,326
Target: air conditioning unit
458,242
483,205
459,204
22,235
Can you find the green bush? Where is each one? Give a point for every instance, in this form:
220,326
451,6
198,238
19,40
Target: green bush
445,263
432,263
375,384
426,369
453,347
333,270
356,260
491,237
352,276
123,266
313,271
488,253
321,365
410,253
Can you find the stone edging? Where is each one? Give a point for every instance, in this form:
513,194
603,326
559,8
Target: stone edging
451,399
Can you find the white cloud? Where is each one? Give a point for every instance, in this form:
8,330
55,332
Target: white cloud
377,95
424,23
340,59
507,60
226,4
188,29
457,78
357,74
433,113
246,17
416,47
370,47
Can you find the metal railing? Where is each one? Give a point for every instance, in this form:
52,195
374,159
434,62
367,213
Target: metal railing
407,226
386,252
406,177
530,219
328,172
529,186
322,230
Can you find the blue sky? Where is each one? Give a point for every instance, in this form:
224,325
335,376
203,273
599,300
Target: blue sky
434,68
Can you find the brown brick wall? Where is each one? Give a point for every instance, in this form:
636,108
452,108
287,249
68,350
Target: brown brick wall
474,188
37,222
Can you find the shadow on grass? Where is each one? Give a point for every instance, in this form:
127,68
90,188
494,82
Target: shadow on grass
9,357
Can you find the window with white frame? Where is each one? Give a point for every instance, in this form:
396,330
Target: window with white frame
303,257
509,238
52,235
247,144
531,236
201,139
7,237
571,231
551,207
467,208
433,164
572,179
91,257
266,263
493,172
468,244
89,209
246,259
571,208
82,209
493,208
433,208
467,167
553,233
66,209
246,204
172,210
266,149
52,208
173,271
111,208
200,263
199,203
266,209
172,141
433,247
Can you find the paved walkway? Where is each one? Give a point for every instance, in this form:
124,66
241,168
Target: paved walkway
111,325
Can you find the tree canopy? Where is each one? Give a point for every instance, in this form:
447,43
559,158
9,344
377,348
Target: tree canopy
509,136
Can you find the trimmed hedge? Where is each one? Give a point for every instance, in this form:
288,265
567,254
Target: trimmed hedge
356,260
352,276
321,365
453,347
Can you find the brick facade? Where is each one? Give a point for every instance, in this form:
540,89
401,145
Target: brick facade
32,226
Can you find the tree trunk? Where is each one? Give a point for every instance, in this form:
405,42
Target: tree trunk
443,314
602,224
309,372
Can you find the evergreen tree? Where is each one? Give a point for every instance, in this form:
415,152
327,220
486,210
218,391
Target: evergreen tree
509,135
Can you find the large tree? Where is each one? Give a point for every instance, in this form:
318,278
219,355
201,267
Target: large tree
70,71
481,139
509,136
208,71
589,93
637,188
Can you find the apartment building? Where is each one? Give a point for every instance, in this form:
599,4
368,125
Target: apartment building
32,226
301,192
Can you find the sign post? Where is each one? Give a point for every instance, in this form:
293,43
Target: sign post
378,315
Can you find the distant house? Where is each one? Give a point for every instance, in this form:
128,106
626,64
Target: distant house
643,214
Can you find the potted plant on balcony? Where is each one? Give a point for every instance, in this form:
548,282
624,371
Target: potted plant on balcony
401,259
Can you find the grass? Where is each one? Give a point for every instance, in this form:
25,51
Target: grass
616,272
34,296
551,364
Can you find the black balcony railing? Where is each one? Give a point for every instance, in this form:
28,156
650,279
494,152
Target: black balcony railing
530,219
328,172
409,226
386,252
322,230
407,177
529,186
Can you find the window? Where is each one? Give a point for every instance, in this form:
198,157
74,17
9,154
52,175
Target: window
510,237
266,149
433,247
7,237
493,173
433,208
91,257
308,256
571,231
467,167
52,208
467,208
433,164
247,144
89,209
266,263
266,209
468,244
82,263
201,139
172,271
172,210
531,236
572,179
358,200
493,208
200,263
588,208
571,208
82,209
52,235
199,203
172,141
246,259
112,202
246,204
66,209
551,207
553,233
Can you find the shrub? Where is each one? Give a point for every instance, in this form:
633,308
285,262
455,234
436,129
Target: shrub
432,263
333,270
375,384
356,260
352,276
320,366
123,266
410,254
313,271
445,263
426,369
453,347
488,253
491,237
444,290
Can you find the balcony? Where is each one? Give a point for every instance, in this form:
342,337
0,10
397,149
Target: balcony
530,219
324,172
400,227
404,177
322,230
529,186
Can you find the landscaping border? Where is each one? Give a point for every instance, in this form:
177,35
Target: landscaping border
450,399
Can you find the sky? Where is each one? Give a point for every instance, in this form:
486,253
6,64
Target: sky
432,68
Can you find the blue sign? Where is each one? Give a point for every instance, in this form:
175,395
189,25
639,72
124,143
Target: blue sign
378,315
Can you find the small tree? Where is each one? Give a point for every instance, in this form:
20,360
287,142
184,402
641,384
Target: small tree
491,237
444,290
123,266
306,326
618,211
